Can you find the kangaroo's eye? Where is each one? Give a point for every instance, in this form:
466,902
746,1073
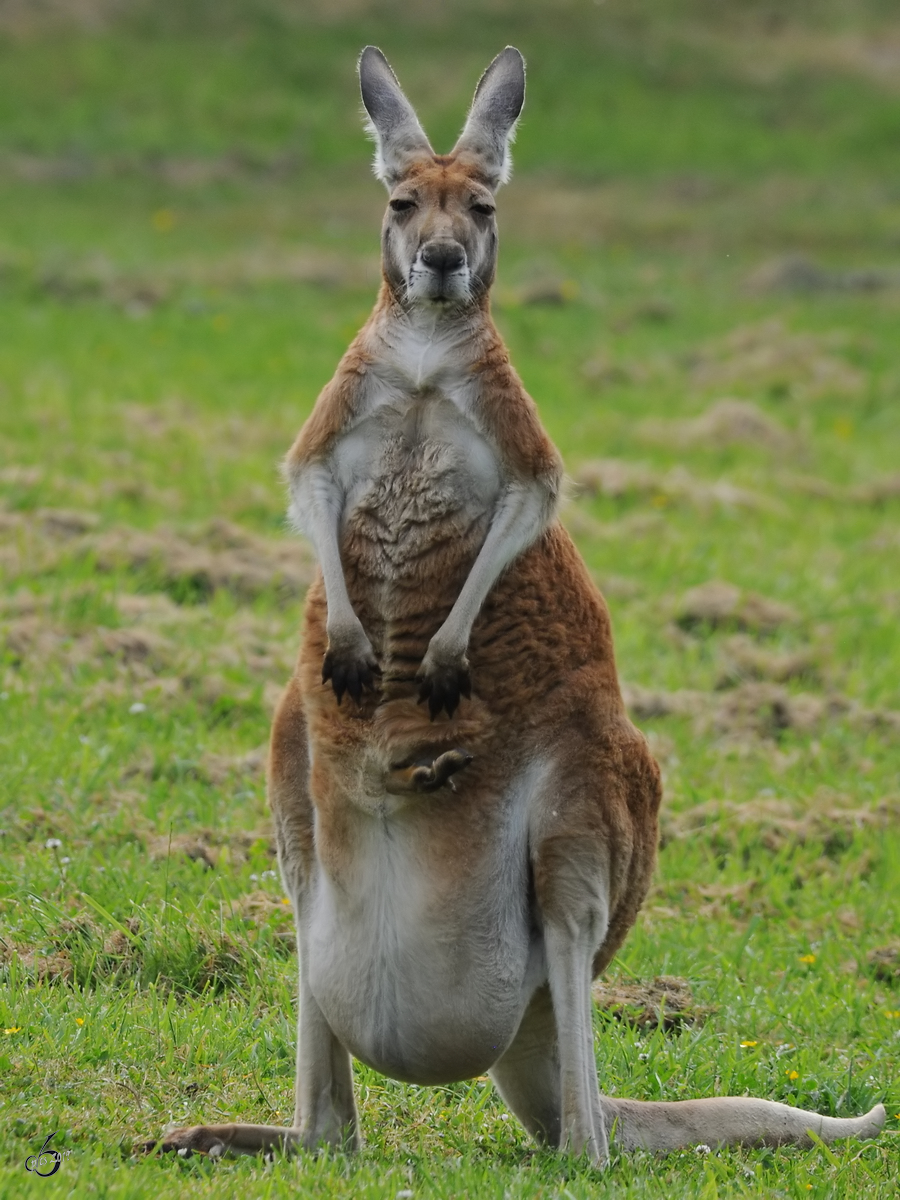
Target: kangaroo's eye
484,210
400,206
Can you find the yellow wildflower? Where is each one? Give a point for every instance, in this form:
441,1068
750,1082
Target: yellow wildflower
163,220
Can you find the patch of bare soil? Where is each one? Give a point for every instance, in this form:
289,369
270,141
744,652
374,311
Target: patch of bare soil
721,605
742,659
665,1002
794,273
616,477
211,768
262,909
220,555
765,53
884,963
756,710
875,492
197,561
40,639
777,823
727,422
768,356
78,950
98,278
208,846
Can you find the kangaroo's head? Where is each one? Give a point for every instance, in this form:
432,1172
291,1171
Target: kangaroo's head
439,237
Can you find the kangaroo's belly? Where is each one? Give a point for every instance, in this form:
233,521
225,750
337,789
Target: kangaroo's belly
423,974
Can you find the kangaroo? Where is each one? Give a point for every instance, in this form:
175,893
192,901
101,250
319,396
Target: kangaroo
466,819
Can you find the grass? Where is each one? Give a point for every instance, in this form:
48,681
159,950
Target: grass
187,247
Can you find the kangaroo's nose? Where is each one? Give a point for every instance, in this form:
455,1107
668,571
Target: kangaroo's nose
443,256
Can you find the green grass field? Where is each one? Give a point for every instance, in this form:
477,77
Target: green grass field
700,284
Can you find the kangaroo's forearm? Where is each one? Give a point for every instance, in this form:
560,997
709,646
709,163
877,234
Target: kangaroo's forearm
316,507
523,513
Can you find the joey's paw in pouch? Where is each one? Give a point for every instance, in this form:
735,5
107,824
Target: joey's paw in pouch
442,685
440,772
351,668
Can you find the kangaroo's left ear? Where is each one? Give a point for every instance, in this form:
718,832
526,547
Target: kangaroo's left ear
491,124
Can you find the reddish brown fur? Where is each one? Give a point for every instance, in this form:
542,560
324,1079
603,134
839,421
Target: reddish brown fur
542,661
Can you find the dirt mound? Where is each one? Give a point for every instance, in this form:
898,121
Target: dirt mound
776,823
719,605
218,556
743,660
766,356
666,1002
193,562
616,478
756,710
727,422
794,273
884,963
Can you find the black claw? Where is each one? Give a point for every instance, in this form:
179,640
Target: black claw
351,677
443,691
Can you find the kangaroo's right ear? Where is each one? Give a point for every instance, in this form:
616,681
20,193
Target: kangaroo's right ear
399,138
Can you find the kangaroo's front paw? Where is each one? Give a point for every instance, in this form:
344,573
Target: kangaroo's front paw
350,664
442,681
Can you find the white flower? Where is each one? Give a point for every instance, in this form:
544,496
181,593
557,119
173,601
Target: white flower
52,843
137,707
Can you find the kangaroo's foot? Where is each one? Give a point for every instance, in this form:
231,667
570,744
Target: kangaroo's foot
425,775
215,1141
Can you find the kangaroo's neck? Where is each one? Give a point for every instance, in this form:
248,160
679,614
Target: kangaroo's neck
426,344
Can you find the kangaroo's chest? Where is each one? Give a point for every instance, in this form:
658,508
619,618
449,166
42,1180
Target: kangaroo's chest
416,455
418,479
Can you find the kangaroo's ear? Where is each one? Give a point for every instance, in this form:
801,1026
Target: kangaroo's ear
399,138
491,123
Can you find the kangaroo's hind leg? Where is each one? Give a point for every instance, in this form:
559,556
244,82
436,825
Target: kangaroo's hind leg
325,1111
592,838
